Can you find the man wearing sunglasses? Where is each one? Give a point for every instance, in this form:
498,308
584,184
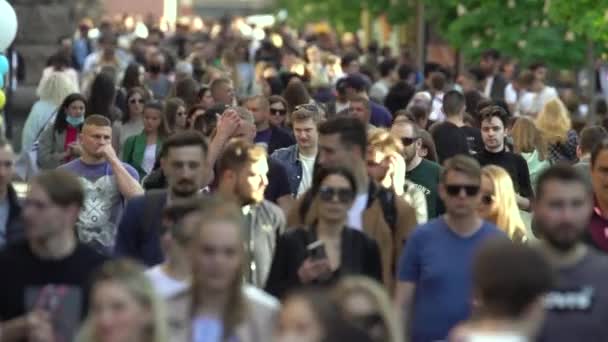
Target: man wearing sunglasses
435,268
422,172
272,137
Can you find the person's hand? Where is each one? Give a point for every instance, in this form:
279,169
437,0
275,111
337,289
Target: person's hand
227,124
313,269
39,327
108,152
397,172
75,150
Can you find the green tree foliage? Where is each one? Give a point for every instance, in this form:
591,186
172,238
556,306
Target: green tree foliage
587,18
520,28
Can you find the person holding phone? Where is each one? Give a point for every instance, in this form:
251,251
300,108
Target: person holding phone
326,250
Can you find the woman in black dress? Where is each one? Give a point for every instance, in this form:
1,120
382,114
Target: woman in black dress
321,253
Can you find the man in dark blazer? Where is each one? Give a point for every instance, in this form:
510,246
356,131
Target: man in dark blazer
183,161
495,83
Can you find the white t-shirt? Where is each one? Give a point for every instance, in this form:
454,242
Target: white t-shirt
510,94
149,158
308,164
165,286
355,214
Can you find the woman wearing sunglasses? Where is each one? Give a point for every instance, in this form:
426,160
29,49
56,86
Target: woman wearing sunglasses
321,253
176,116
499,204
132,121
278,111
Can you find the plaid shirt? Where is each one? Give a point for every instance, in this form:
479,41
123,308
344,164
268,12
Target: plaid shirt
565,151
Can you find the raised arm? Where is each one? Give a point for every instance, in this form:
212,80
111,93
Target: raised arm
128,184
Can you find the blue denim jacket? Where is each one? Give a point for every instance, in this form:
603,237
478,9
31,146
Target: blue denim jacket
288,157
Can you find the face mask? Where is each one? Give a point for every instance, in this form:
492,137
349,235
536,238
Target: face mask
74,121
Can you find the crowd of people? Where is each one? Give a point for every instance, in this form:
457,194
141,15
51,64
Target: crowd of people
209,186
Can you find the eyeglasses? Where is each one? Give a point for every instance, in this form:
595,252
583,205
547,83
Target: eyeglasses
406,141
280,112
455,189
487,199
344,195
133,101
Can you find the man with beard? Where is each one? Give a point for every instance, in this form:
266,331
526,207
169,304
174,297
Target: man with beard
183,161
577,308
242,170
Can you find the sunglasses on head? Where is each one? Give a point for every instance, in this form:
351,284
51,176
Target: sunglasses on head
308,106
406,141
455,189
487,199
280,112
343,195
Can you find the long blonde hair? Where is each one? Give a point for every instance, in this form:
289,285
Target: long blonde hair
219,209
506,215
527,138
352,285
55,87
554,122
130,275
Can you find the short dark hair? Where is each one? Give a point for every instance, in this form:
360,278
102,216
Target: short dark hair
491,54
508,277
405,70
182,139
387,66
453,103
62,187
437,80
597,149
97,120
537,65
563,173
348,58
351,131
463,164
494,111
591,136
154,104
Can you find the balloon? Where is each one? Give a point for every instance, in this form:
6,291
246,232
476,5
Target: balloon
3,65
8,25
2,100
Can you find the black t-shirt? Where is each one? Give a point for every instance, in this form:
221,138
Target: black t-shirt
25,275
577,308
474,141
514,164
450,140
278,183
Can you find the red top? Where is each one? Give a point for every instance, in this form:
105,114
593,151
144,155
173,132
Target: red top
598,229
71,136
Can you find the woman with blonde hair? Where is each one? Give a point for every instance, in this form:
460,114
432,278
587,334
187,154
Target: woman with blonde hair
555,126
499,204
217,307
528,142
124,307
366,303
51,92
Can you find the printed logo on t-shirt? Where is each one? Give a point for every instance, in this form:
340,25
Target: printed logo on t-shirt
578,299
423,188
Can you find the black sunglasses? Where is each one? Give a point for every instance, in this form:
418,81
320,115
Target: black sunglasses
136,101
455,189
344,195
280,112
406,141
487,199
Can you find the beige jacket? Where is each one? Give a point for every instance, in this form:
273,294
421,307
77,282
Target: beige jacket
258,325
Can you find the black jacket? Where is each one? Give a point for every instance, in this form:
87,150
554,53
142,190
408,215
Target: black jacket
280,138
14,223
359,255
